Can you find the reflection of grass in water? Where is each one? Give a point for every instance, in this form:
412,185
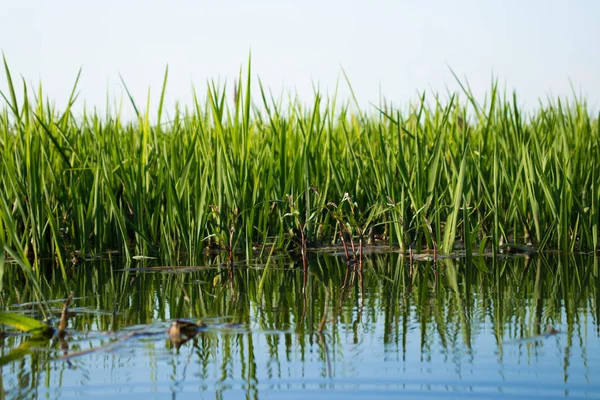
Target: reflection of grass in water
448,302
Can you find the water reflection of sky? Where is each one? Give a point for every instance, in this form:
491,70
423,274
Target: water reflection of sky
365,350
548,367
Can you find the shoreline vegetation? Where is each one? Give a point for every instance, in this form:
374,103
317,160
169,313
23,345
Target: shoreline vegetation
243,175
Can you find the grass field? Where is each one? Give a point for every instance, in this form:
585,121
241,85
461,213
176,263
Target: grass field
240,173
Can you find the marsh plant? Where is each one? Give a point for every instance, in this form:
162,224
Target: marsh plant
431,175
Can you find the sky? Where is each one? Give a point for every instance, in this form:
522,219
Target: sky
395,49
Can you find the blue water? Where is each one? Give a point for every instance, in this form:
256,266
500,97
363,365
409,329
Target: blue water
445,347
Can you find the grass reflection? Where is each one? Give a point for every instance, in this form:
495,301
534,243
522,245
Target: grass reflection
304,325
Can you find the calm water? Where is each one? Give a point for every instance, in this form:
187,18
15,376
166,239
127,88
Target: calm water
495,329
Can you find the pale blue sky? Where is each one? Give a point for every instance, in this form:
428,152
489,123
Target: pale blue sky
396,47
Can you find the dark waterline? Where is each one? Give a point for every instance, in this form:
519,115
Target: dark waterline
514,328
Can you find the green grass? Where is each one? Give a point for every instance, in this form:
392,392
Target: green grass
221,170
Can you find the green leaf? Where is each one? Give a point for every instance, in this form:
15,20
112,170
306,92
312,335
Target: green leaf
450,231
26,324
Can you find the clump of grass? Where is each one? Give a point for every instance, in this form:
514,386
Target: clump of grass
430,175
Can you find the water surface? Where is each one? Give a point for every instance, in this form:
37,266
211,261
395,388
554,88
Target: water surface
505,328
